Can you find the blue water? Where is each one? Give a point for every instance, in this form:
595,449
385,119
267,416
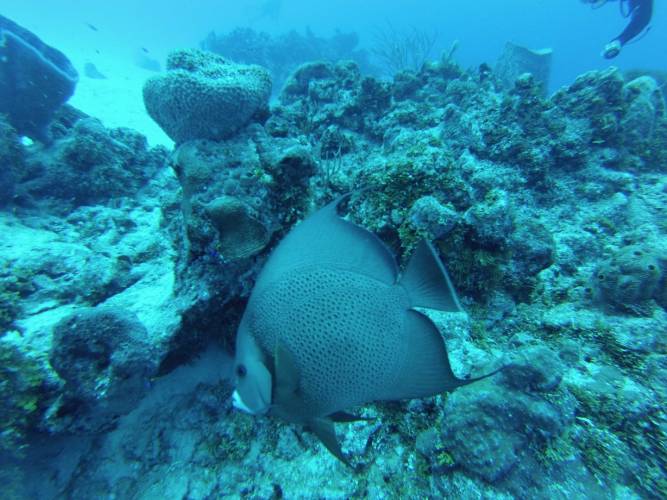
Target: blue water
576,32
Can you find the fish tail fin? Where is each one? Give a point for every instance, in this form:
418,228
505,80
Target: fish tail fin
427,282
427,369
467,381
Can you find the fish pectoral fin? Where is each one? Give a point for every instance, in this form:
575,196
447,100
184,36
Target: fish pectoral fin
427,282
323,428
287,374
342,417
287,400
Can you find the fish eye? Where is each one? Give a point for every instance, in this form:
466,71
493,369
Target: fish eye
241,371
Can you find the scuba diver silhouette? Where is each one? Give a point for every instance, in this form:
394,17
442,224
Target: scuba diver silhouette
639,12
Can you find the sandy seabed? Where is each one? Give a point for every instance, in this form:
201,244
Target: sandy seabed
117,100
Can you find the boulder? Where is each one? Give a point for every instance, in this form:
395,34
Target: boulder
35,80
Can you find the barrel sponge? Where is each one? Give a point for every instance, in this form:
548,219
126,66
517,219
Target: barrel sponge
630,277
204,96
35,80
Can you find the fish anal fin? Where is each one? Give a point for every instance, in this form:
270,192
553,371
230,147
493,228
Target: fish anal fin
323,428
427,282
344,417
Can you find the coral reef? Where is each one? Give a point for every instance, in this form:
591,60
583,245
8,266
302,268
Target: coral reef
76,243
91,164
11,157
104,356
204,96
548,212
237,196
282,54
27,388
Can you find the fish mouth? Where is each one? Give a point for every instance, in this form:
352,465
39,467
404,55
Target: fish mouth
238,403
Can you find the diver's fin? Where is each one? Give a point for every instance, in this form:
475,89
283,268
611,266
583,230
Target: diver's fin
323,428
426,281
341,416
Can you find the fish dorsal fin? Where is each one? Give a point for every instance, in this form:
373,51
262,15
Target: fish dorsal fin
326,239
426,370
323,428
427,282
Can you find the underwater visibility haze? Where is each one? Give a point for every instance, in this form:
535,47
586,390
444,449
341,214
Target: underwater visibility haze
288,249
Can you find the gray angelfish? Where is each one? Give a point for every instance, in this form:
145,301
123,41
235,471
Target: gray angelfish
331,325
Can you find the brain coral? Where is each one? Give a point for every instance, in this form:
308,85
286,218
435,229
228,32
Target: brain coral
204,96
